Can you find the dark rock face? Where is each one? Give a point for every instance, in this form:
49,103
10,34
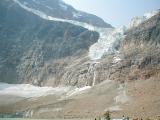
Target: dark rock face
57,8
28,42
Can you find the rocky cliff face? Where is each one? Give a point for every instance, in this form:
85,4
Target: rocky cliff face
59,9
137,57
140,49
28,43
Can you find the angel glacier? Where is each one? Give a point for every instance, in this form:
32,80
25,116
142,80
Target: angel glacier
109,39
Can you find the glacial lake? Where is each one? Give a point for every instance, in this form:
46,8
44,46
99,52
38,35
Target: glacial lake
18,119
38,119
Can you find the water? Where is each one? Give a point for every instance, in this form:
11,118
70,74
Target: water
37,119
18,119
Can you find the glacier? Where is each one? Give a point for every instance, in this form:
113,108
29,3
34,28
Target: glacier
76,15
106,42
110,38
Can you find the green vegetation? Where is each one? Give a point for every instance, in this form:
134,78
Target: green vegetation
107,115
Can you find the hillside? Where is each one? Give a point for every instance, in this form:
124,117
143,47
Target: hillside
28,44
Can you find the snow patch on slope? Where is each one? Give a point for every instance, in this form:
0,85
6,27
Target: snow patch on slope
37,12
116,59
63,6
78,91
27,90
49,7
76,14
46,17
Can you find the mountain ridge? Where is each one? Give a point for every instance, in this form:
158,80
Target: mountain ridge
59,9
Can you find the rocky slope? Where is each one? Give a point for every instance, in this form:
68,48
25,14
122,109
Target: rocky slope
29,43
140,50
59,9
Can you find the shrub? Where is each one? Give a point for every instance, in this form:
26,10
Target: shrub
107,115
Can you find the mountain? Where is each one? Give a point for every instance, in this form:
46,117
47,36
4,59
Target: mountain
140,50
59,9
29,43
59,66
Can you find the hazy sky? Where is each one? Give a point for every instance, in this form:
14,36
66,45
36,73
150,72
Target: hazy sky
115,12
